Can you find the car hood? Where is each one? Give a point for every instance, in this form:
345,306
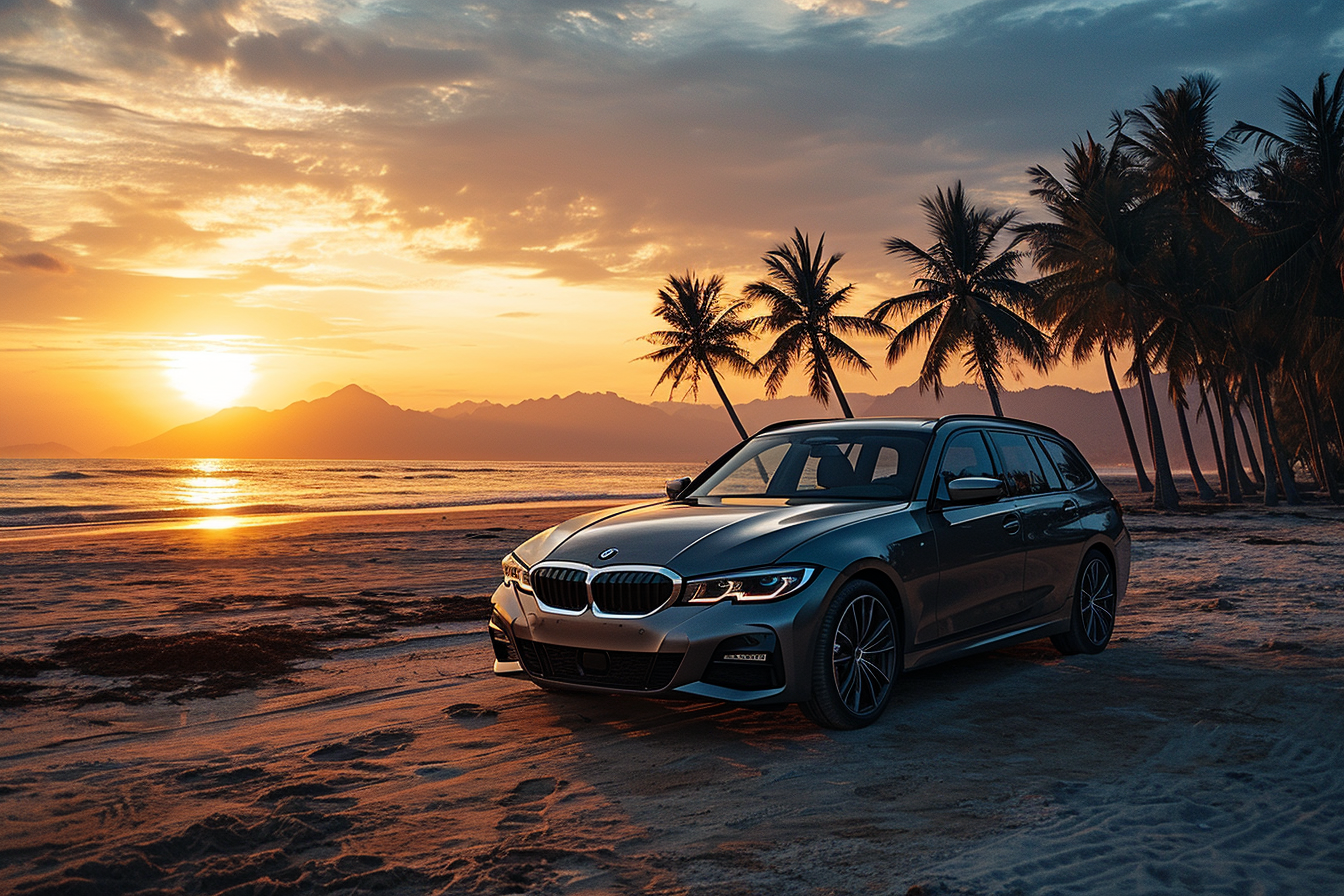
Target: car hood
695,539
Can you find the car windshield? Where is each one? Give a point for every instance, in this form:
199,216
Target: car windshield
867,464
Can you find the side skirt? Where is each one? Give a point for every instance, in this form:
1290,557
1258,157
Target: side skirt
977,643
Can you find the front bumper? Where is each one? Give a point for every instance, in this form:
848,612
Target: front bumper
739,653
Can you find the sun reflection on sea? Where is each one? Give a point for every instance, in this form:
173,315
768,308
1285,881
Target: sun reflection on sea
209,489
212,488
216,522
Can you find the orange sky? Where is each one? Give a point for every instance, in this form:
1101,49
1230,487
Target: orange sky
210,202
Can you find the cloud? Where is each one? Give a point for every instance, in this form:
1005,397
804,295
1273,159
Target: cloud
136,225
616,140
37,261
316,61
19,72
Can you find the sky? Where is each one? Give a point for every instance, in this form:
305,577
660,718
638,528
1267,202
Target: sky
215,202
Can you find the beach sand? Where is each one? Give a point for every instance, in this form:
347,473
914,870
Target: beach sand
307,706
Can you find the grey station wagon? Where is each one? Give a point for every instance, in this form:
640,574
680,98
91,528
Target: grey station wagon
816,561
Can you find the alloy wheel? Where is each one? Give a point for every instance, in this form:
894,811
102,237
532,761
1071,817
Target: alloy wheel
863,654
1096,600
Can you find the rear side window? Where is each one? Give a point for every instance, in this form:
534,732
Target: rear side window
1051,474
1020,466
1072,468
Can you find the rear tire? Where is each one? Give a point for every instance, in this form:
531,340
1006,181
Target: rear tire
855,660
1093,608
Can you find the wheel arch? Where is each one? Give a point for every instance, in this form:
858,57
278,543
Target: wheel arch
885,580
1107,550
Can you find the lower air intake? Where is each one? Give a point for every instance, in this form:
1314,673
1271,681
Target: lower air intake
620,669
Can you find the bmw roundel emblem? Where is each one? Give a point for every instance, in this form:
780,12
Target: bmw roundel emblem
608,553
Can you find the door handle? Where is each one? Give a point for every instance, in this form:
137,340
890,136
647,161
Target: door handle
1011,524
1070,509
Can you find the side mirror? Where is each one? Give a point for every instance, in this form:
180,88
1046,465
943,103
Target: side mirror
972,489
676,486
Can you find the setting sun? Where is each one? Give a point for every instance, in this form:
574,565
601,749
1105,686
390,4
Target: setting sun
211,378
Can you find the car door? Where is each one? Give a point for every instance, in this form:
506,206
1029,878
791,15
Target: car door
1050,522
981,551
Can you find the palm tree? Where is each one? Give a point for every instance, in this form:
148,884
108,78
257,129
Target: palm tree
967,298
703,332
1094,287
1171,140
1296,200
801,308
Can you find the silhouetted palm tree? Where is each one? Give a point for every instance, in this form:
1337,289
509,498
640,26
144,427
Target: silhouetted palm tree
704,331
1171,140
1094,287
1295,198
967,298
801,307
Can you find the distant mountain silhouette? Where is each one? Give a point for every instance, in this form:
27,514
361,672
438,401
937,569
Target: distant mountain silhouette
39,449
461,408
352,423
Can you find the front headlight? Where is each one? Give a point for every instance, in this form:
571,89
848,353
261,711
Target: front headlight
748,586
516,574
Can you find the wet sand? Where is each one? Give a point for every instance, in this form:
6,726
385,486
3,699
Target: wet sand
353,740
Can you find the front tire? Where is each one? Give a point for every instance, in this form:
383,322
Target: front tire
1093,608
855,660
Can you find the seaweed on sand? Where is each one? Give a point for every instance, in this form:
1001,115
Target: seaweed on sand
201,664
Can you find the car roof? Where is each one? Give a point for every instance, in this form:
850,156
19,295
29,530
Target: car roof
929,424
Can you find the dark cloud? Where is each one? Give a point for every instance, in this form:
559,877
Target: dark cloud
17,71
23,20
37,261
127,20
313,61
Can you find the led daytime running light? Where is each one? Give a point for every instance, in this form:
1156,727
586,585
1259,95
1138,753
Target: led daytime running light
516,574
750,586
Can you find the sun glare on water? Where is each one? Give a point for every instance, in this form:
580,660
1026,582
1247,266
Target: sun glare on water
209,377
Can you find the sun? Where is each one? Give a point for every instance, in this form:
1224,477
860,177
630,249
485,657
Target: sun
209,377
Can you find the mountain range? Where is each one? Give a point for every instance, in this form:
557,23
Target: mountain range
352,423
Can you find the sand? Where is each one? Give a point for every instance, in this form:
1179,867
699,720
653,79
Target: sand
355,740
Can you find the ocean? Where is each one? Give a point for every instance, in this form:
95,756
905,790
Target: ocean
62,492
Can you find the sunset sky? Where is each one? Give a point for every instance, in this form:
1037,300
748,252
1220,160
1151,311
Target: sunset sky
213,202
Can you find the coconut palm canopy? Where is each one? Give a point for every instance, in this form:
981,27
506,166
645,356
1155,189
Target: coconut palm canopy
705,331
967,299
803,312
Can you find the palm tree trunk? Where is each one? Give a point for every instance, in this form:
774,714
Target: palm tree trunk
1207,411
723,396
1165,496
1256,472
1262,429
1139,472
992,390
1306,396
1281,459
1236,478
1201,485
830,374
1339,425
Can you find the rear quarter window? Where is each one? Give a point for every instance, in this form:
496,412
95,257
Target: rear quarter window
1071,466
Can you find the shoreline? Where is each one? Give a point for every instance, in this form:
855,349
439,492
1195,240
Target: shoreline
210,522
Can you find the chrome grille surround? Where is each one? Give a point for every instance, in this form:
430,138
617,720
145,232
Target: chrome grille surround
630,591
